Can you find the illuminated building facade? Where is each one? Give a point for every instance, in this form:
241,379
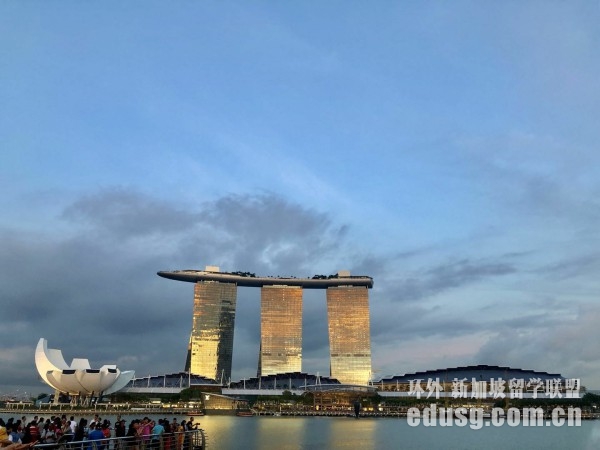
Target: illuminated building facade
211,341
280,330
349,334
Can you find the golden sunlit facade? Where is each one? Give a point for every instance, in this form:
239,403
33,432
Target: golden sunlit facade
349,334
210,350
211,341
280,330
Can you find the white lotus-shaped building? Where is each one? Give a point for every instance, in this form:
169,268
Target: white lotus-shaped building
78,378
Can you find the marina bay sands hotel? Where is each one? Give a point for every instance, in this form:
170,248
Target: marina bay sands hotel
215,294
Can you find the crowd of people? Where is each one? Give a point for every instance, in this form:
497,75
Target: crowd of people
95,434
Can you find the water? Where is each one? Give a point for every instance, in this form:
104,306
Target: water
309,433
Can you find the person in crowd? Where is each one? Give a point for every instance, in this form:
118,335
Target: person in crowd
185,436
4,434
177,435
120,428
120,432
96,420
65,429
18,427
33,430
105,427
57,428
13,435
167,435
26,436
35,434
48,435
178,430
72,424
95,437
144,431
106,431
191,426
132,440
157,433
80,430
41,424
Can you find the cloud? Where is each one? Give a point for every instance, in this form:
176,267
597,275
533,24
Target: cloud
270,234
534,176
452,274
557,344
93,291
124,213
573,267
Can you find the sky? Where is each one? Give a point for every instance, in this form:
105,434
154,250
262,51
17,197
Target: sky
449,150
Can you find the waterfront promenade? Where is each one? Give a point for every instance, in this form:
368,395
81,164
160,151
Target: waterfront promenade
186,412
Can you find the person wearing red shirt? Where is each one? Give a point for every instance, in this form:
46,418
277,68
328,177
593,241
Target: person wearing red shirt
34,431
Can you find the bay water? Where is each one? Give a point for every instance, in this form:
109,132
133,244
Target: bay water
308,433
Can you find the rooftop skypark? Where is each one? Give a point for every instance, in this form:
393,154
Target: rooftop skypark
247,279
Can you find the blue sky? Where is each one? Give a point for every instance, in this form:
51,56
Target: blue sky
448,150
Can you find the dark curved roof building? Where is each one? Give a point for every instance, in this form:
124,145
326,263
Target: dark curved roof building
480,373
481,381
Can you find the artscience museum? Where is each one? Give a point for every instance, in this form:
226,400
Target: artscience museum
78,379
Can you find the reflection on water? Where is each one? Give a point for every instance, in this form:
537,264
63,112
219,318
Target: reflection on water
289,433
352,433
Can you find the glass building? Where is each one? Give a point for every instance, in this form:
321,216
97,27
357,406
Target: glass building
210,350
349,334
280,330
211,341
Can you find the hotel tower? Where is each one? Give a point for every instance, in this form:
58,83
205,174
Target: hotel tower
349,334
210,350
280,330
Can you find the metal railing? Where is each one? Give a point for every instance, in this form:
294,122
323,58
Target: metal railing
188,440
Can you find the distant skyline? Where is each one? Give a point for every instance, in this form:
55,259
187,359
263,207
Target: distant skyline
448,150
